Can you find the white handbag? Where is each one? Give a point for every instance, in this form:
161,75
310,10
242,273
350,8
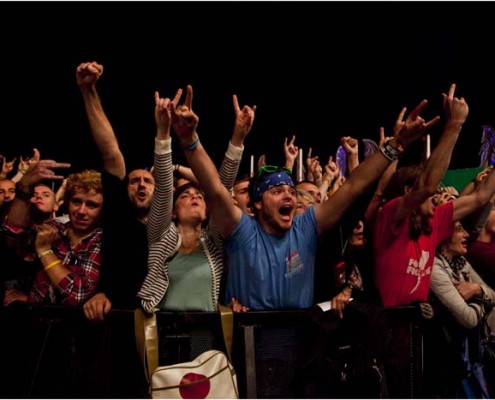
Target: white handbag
210,375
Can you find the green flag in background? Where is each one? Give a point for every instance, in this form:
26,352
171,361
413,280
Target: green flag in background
459,178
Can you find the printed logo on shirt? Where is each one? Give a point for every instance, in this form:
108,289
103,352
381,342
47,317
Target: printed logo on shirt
293,263
418,269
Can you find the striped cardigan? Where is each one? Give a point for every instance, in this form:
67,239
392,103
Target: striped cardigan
164,239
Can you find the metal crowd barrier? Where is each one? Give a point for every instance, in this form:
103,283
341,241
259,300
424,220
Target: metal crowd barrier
54,352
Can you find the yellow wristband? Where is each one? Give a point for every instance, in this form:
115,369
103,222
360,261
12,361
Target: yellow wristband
45,253
52,264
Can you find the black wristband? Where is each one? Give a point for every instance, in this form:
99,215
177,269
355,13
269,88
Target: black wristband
390,152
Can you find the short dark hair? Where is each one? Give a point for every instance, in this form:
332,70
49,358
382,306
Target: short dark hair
184,187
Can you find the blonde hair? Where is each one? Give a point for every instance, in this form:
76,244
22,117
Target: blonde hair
301,193
85,181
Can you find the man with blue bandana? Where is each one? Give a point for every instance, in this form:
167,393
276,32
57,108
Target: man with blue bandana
283,280
271,255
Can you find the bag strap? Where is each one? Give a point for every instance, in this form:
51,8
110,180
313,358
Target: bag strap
227,320
146,332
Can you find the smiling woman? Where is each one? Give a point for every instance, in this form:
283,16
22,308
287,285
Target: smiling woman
464,303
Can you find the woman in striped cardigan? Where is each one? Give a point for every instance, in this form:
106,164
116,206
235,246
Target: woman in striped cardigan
186,259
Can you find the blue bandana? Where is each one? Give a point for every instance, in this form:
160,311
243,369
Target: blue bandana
272,180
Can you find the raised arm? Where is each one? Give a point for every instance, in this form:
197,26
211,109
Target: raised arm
87,74
377,198
465,205
329,212
21,169
330,182
351,148
290,152
456,110
7,167
471,186
160,216
244,119
222,209
38,170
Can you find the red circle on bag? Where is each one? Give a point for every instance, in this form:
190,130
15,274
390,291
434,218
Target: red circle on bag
199,391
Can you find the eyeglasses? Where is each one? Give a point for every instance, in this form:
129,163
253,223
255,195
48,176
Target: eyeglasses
270,169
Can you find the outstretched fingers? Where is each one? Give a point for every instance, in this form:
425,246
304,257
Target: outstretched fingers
235,101
400,118
189,97
431,122
177,97
292,140
452,91
415,113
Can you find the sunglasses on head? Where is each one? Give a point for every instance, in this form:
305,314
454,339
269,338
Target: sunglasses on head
270,169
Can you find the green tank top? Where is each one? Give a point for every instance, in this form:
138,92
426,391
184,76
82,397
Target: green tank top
190,284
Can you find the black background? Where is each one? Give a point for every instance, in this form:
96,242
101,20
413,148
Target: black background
320,70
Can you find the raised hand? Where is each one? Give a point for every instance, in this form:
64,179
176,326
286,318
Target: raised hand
59,196
41,169
316,171
87,74
184,120
23,165
350,145
414,126
384,138
7,166
456,109
309,162
482,175
163,114
244,119
331,171
290,152
261,160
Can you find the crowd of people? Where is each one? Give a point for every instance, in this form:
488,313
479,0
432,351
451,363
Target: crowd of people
372,232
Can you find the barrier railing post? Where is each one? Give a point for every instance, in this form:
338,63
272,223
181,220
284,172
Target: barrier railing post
250,361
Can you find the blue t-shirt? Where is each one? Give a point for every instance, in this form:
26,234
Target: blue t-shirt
268,272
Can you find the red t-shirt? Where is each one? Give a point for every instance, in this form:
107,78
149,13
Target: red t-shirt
403,266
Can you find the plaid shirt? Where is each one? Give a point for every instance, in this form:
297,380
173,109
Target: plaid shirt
83,262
